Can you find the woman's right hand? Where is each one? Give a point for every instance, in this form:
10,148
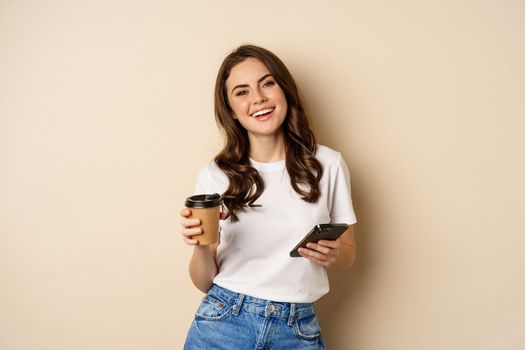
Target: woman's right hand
190,227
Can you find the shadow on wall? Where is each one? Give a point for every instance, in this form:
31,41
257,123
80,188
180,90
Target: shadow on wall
339,310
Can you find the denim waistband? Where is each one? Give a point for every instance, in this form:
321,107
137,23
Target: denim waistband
263,307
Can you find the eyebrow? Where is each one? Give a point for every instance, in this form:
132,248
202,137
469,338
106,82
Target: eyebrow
246,85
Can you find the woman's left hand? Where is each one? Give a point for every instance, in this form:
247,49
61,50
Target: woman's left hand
323,252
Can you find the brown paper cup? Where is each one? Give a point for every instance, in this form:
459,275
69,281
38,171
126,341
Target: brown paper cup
207,208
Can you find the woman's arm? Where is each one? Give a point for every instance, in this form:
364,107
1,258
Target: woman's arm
335,255
203,266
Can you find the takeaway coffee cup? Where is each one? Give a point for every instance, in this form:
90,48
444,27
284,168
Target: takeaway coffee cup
207,208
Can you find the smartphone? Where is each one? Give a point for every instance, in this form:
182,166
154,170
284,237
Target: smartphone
319,232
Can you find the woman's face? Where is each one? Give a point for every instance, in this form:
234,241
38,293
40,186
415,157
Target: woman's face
255,98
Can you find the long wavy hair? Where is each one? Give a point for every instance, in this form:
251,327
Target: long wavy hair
245,183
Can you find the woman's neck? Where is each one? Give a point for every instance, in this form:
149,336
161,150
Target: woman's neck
267,149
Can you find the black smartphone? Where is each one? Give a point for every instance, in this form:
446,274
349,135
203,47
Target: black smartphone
319,232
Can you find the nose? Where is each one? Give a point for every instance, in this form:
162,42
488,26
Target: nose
258,96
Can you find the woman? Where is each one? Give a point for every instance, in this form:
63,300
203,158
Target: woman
276,184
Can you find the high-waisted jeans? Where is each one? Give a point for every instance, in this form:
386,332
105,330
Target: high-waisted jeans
232,321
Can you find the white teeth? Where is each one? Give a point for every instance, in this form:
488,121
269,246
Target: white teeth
264,111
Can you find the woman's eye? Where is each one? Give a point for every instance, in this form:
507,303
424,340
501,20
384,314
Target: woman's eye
241,93
269,83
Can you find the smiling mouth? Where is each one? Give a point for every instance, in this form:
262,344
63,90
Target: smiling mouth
262,112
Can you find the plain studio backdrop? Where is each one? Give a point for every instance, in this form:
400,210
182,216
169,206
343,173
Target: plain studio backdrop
106,116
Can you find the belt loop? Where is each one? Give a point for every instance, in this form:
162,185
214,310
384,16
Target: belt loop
292,317
237,307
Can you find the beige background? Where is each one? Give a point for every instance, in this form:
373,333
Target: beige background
106,117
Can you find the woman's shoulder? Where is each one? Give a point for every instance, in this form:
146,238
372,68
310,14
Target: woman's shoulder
211,169
211,178
327,156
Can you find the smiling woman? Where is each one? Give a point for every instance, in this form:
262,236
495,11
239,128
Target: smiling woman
276,184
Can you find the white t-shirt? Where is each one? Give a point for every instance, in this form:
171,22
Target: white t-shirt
253,254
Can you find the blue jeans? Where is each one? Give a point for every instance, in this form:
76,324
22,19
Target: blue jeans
232,321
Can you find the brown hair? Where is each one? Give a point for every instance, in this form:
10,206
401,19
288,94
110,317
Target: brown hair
245,184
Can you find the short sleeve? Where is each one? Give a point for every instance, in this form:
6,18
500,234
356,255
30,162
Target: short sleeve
210,180
342,210
203,183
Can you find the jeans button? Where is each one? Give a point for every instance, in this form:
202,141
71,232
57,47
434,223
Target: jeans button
271,308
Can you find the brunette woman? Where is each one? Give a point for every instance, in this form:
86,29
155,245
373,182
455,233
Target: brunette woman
276,183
